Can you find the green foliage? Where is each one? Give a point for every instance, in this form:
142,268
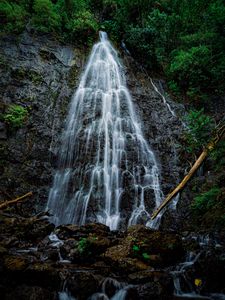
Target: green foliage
205,201
145,255
218,156
190,69
136,248
15,116
173,86
182,39
83,246
200,127
12,17
82,27
141,42
46,18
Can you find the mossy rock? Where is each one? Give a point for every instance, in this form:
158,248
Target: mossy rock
15,263
73,76
19,74
3,251
45,54
146,248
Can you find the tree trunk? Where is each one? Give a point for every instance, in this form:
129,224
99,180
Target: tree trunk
12,202
209,147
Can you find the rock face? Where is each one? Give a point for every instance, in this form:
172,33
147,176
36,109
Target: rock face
91,261
29,265
162,125
39,74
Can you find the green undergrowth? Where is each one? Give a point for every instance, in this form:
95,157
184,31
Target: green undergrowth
205,201
184,41
15,116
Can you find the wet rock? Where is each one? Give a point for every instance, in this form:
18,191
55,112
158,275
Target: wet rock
118,257
143,247
87,249
3,250
155,247
29,229
210,268
15,263
24,292
42,274
36,75
74,231
82,284
151,275
154,291
3,134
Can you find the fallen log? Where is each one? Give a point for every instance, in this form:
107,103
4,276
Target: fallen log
5,204
220,131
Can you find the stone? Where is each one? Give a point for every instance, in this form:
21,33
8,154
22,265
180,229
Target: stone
25,292
82,284
15,263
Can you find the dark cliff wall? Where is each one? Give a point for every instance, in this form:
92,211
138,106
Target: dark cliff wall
41,75
164,132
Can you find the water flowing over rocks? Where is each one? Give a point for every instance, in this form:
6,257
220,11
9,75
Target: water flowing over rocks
39,74
104,147
92,262
71,262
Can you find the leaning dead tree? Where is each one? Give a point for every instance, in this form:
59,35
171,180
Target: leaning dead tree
5,204
219,133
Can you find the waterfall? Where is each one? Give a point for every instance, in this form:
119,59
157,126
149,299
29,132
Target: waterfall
106,171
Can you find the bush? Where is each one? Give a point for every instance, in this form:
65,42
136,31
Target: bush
45,18
82,27
140,40
15,116
12,17
200,128
205,201
190,68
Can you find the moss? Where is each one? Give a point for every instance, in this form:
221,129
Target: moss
15,263
19,74
73,76
27,100
4,66
46,55
35,77
64,107
22,74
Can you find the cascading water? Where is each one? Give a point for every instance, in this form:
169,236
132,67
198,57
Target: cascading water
104,160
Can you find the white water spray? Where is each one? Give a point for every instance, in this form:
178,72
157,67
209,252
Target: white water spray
104,161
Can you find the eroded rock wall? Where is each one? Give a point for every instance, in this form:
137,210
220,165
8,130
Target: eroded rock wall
39,74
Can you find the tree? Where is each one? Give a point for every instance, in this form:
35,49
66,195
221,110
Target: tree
45,16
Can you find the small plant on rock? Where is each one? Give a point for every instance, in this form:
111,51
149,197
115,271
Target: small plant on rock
200,127
15,116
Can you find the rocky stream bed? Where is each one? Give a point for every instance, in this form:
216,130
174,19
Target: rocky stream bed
39,261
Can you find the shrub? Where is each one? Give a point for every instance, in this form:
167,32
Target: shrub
205,201
82,27
15,116
83,246
12,17
141,42
45,19
200,127
190,68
